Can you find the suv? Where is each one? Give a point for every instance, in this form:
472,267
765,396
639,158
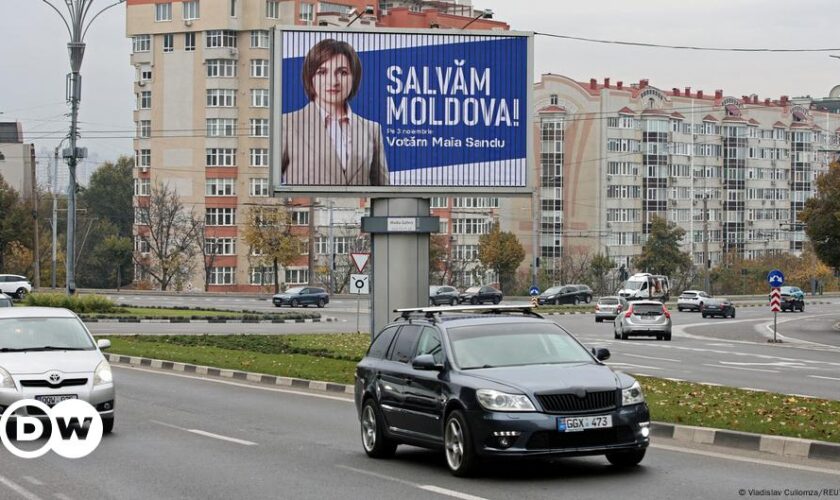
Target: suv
443,295
793,298
480,295
495,381
692,300
14,285
302,296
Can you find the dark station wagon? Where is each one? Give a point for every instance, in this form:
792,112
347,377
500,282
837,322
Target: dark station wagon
302,296
495,382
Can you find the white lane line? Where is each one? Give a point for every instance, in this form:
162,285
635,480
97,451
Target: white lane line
206,434
826,378
651,357
20,490
745,459
753,389
31,480
634,366
426,487
744,369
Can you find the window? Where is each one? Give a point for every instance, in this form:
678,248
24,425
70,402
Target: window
220,217
379,346
191,10
553,100
623,145
307,12
259,187
272,9
222,276
221,68
232,8
141,245
142,187
221,157
163,12
221,38
142,43
465,252
429,343
145,73
259,68
144,129
221,127
168,42
259,127
341,245
404,345
297,276
221,98
144,100
261,275
141,215
475,203
220,187
470,226
259,157
220,246
439,202
143,157
259,98
334,8
259,39
189,42
300,218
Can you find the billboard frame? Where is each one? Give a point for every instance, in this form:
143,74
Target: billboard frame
276,111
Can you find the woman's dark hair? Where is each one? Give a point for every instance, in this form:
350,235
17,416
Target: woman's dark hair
324,51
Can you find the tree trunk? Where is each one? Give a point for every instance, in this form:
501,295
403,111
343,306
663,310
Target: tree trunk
119,276
276,277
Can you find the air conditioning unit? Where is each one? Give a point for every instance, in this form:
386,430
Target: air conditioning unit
772,183
144,169
750,223
609,177
141,83
763,202
188,23
234,51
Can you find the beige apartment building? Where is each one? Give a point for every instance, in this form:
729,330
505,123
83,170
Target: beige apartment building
17,159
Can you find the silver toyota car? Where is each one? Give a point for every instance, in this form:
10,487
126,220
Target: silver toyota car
646,318
48,354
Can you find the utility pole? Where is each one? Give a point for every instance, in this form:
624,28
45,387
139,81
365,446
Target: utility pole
78,11
706,260
331,253
35,207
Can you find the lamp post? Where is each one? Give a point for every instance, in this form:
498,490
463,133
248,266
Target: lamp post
486,14
77,25
367,11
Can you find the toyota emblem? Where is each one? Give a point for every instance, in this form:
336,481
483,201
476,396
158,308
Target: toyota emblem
55,378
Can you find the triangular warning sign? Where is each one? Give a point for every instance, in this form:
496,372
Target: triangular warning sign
361,260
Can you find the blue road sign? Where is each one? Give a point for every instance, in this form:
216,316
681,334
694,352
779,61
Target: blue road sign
534,291
776,278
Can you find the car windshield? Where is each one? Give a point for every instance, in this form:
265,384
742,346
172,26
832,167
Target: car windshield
27,334
434,289
292,291
532,343
553,290
610,301
473,289
647,309
688,295
634,285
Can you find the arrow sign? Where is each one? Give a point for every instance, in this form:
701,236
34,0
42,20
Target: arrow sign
776,278
534,291
360,260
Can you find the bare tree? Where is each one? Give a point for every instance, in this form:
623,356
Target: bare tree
269,230
209,247
576,266
170,233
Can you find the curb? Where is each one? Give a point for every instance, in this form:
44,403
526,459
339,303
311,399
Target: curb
208,321
537,310
775,445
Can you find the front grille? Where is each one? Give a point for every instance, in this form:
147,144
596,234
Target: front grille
571,403
545,440
68,382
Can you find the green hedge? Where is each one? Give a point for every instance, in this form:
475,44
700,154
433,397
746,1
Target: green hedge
76,303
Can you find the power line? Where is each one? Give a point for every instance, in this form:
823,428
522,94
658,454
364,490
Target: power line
681,47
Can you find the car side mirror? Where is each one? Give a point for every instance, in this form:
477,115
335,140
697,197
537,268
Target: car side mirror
601,353
426,362
103,343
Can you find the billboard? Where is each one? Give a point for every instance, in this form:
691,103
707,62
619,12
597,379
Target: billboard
398,112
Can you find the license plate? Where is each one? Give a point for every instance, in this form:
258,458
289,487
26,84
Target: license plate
53,400
576,424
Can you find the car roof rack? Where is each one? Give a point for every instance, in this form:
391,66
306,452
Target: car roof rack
429,312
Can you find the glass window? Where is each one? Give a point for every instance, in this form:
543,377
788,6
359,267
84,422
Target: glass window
382,342
259,39
307,12
403,348
259,98
189,42
142,43
168,42
272,9
429,343
22,334
163,12
259,68
191,10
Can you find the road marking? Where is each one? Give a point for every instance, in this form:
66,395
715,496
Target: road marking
651,357
20,490
426,487
634,366
206,434
826,378
745,459
752,389
739,368
32,480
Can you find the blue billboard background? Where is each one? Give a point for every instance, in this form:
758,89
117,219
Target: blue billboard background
415,138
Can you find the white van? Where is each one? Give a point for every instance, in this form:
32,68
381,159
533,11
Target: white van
646,286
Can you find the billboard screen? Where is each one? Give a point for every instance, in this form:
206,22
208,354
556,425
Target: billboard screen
399,112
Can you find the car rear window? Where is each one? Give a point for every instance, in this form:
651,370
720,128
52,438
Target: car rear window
646,309
608,302
688,295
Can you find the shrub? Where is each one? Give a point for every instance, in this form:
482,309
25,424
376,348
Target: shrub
77,303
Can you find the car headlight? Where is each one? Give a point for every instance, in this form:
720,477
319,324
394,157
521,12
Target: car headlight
633,395
501,401
102,374
6,381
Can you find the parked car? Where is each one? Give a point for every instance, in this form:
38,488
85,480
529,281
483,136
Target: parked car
47,354
443,295
646,286
5,300
566,294
584,293
609,308
646,318
14,285
480,295
793,298
718,307
302,296
692,300
495,385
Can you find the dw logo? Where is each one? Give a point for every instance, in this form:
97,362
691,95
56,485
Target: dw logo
72,428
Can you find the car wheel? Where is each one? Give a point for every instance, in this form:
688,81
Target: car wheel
294,303
473,301
701,307
556,302
453,302
107,425
705,315
374,441
496,300
668,336
321,303
680,309
626,458
623,335
458,446
577,301
733,314
588,299
615,334
598,320
20,293
659,337
802,308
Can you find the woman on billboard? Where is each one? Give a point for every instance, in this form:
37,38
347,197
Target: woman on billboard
325,143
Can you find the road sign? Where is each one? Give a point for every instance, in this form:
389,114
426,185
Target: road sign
361,260
775,300
776,278
534,291
359,284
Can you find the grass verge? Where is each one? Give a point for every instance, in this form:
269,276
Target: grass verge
333,357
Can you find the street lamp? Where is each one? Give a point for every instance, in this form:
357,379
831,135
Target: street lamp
77,27
367,11
487,14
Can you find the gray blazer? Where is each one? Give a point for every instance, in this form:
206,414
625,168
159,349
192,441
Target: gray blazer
309,155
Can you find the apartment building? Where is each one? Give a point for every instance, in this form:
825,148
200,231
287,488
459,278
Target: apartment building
202,117
734,172
17,159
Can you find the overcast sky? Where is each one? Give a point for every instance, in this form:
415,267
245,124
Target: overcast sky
35,60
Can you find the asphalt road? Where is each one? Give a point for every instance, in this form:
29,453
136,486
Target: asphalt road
186,437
